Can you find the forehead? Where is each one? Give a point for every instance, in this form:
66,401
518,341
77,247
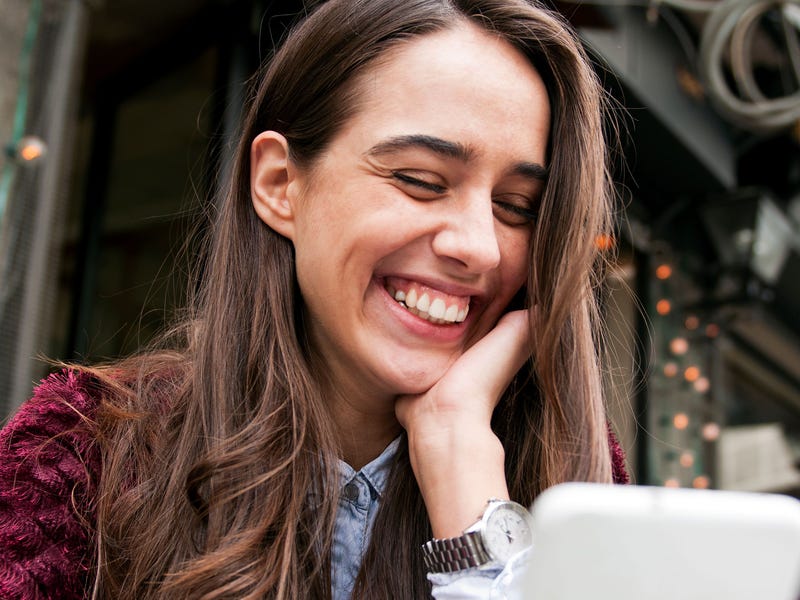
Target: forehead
462,84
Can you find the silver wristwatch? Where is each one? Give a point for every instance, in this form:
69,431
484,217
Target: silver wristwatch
502,531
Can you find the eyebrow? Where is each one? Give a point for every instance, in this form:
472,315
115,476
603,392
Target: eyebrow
448,149
530,170
436,145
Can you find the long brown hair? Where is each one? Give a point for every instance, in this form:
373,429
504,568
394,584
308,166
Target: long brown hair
219,477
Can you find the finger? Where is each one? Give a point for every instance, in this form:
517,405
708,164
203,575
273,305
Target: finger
473,385
491,363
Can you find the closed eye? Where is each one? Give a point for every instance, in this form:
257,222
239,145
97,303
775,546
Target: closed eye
416,182
512,213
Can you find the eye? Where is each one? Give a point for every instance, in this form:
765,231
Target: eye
418,186
514,210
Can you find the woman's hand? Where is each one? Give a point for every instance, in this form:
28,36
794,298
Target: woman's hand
457,459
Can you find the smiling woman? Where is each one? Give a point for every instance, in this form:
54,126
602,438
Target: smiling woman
417,191
394,334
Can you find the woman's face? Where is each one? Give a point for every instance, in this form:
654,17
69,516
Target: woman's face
423,198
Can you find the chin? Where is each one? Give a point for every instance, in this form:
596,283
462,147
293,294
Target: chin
409,382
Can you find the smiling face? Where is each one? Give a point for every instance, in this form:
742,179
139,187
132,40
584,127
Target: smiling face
411,230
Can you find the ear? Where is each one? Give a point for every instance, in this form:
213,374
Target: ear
273,182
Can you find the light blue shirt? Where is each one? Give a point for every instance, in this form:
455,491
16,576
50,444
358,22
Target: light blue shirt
359,499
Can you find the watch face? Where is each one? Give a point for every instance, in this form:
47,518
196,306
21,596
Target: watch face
507,531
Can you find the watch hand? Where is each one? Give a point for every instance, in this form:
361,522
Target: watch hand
506,528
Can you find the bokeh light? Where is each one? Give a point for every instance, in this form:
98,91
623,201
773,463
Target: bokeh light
679,346
680,421
604,241
710,432
31,148
691,374
663,271
702,385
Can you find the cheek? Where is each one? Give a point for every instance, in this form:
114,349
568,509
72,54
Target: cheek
516,261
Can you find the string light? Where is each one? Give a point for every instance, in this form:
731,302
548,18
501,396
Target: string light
679,468
691,374
663,271
663,307
702,385
680,421
679,346
710,432
30,149
604,241
670,369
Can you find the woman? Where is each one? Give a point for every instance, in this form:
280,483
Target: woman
359,373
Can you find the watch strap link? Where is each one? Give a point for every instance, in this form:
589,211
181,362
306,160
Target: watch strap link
454,554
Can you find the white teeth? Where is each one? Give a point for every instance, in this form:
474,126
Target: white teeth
450,315
437,309
411,299
424,303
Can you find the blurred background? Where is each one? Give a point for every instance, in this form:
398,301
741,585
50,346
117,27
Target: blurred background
117,115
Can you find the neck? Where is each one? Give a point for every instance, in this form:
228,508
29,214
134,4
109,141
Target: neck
364,419
364,426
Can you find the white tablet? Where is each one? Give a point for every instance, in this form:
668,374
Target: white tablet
604,542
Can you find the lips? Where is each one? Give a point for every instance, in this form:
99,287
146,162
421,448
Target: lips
426,302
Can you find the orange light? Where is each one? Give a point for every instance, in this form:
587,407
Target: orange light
710,432
30,148
663,307
670,369
604,241
691,374
679,346
701,482
686,459
681,421
663,271
672,483
30,152
712,330
691,323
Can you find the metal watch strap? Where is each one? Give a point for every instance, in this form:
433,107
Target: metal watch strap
453,554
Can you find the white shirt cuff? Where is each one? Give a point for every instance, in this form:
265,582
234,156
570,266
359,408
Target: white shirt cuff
483,584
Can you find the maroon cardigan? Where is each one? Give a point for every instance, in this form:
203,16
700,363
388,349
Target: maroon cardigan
49,468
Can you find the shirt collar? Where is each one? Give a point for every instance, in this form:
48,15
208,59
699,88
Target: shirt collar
376,472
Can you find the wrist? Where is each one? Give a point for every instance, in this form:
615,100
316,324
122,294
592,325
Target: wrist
457,475
503,531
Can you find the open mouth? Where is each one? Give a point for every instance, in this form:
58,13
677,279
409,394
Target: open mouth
427,303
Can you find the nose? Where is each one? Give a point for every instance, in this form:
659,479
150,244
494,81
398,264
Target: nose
469,236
